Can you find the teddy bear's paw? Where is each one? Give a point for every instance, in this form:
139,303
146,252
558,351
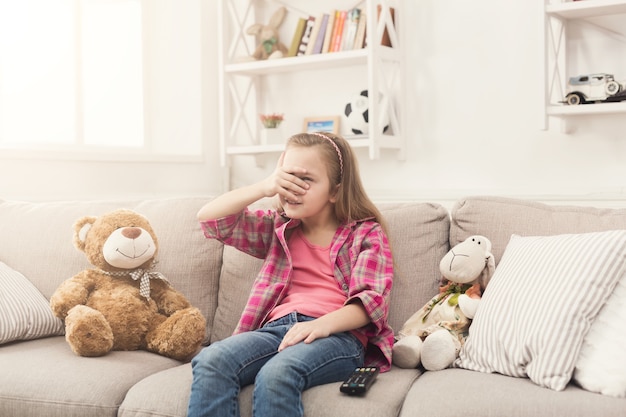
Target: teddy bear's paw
439,351
87,331
407,352
468,305
276,55
179,336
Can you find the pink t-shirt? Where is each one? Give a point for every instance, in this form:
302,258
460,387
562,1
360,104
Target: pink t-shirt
313,290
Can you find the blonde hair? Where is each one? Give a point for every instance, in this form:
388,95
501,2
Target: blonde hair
352,202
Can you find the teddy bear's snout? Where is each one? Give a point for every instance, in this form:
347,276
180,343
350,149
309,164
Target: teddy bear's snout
128,247
131,232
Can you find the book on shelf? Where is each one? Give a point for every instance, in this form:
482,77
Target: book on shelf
340,20
385,40
329,31
349,29
359,39
321,35
314,35
306,36
334,31
297,37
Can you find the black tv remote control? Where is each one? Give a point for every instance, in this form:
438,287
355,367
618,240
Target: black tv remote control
360,380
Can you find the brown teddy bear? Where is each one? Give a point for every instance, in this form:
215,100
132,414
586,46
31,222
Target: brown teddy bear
121,304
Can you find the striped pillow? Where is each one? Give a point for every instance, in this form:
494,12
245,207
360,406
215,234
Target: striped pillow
24,312
540,303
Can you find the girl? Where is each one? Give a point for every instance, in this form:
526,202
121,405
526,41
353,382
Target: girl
318,308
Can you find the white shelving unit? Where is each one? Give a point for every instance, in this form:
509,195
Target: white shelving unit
244,85
606,16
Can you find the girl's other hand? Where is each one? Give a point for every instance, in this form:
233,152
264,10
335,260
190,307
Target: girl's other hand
305,331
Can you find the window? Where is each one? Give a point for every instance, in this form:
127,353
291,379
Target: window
71,73
111,57
98,74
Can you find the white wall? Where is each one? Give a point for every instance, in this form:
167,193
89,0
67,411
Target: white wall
474,92
182,81
474,89
475,98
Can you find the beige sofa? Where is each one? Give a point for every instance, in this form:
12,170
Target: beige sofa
42,377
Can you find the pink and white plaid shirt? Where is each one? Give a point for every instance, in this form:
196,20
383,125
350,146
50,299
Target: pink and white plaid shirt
360,254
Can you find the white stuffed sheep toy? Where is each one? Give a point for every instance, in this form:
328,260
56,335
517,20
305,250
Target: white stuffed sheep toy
434,335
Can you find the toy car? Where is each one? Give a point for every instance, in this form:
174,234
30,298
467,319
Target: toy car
591,88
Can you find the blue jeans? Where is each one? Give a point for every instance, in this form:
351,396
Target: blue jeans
221,369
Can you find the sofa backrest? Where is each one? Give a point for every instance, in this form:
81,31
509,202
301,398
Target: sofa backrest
418,233
497,218
36,240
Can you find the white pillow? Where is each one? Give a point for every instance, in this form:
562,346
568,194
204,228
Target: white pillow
540,303
601,365
24,312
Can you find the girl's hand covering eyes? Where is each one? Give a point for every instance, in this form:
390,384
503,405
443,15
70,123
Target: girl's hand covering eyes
286,181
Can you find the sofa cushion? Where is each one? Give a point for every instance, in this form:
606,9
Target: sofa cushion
459,392
418,233
37,241
238,273
540,303
497,218
384,398
44,378
166,393
24,311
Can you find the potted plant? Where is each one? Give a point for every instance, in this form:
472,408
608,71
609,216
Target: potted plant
271,134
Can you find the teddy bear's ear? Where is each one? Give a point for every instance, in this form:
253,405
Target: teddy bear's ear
255,29
277,18
81,228
490,268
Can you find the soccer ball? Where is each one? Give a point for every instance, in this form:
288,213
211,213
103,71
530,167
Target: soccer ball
357,112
